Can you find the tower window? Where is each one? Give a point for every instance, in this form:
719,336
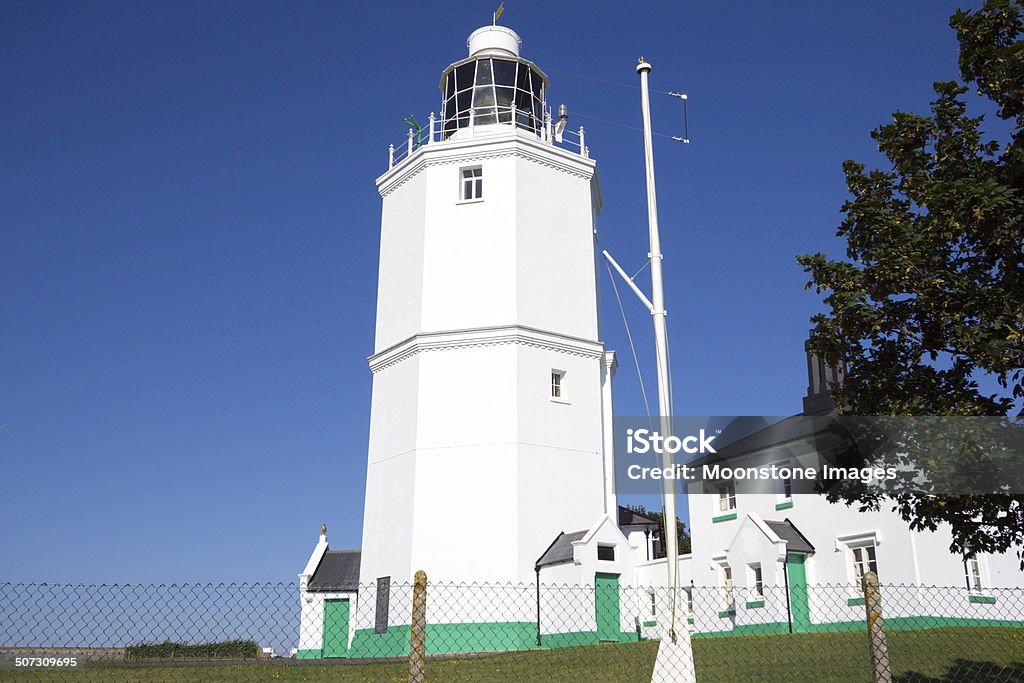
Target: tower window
558,384
606,552
472,183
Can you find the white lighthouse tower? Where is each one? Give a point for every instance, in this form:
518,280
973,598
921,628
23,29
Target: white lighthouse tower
490,420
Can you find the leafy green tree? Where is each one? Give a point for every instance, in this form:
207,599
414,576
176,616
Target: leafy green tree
683,533
931,296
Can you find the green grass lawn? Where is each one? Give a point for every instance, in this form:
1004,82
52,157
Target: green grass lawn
951,654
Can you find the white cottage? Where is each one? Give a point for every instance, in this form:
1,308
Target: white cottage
792,562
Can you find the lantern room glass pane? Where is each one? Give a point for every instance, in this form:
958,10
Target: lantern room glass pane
524,102
464,76
449,86
504,72
483,97
523,79
483,72
505,100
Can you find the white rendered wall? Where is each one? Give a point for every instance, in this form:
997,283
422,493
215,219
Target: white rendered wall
914,561
478,302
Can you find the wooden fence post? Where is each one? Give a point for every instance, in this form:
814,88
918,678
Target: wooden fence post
418,630
877,643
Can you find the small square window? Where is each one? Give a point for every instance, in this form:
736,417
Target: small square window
606,552
472,184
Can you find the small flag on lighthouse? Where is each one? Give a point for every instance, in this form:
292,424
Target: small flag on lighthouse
497,13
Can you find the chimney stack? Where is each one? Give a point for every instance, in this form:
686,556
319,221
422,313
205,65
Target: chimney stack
820,379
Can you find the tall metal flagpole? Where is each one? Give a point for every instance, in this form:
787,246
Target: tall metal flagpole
660,338
675,656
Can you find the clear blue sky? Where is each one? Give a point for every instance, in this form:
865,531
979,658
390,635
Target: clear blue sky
190,229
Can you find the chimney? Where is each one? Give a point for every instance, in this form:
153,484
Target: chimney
820,378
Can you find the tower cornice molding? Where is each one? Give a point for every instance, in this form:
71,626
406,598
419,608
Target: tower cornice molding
483,147
451,340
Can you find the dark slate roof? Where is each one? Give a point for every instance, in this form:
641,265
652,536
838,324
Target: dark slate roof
560,549
796,542
338,571
628,517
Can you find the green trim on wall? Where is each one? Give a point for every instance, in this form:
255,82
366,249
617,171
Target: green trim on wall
650,623
754,604
309,654
723,518
855,601
690,620
449,638
983,599
366,643
784,506
727,613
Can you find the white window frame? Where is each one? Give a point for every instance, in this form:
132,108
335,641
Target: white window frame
859,559
982,575
471,178
728,585
558,386
756,576
727,497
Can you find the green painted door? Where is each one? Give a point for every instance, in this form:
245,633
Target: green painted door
606,606
799,606
335,628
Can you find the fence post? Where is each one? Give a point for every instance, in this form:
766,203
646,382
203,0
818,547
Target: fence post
877,642
418,630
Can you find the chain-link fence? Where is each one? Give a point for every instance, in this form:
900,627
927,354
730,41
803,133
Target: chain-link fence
599,632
